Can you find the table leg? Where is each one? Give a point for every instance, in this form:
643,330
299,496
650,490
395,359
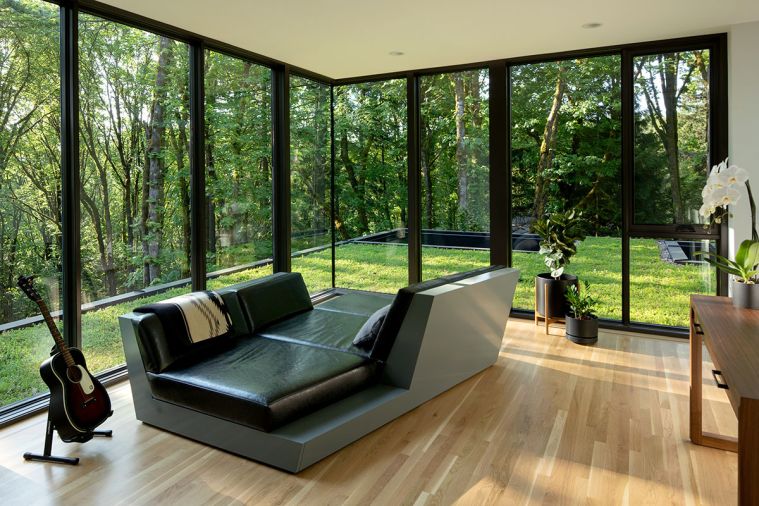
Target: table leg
748,452
696,398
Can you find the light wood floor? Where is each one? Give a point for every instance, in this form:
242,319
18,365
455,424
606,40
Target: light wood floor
550,422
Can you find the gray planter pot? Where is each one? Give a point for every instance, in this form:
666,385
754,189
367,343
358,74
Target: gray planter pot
582,331
557,303
745,296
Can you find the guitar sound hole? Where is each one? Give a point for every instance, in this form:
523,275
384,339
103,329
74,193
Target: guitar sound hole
74,374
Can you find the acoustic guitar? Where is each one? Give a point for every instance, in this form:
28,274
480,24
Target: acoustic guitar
78,401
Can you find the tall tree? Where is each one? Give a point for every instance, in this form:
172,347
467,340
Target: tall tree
548,145
154,180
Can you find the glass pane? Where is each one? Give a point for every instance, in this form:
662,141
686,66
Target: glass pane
30,178
238,169
667,270
371,188
566,154
310,182
134,130
455,172
671,136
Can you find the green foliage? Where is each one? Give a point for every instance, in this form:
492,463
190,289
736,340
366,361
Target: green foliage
581,303
745,266
587,165
559,235
370,158
667,155
454,131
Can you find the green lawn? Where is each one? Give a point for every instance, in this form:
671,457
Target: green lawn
659,293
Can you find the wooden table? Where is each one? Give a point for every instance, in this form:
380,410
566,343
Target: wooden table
732,337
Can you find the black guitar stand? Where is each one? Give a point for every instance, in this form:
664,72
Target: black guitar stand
48,457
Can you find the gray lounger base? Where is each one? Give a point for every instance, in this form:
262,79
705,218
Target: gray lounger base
450,334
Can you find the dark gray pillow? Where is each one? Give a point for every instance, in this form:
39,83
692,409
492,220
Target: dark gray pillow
367,334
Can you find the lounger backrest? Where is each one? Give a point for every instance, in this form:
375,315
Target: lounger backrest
402,302
268,300
251,305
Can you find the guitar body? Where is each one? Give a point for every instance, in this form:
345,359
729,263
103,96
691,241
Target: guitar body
78,401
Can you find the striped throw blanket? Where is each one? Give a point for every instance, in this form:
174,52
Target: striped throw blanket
195,317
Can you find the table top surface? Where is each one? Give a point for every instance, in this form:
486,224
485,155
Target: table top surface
732,337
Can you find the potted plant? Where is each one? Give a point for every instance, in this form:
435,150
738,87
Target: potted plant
723,188
582,323
559,235
745,269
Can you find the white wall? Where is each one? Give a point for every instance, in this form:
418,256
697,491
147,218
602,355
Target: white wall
743,85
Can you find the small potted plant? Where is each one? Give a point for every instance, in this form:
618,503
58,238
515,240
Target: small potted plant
559,235
723,189
745,269
582,323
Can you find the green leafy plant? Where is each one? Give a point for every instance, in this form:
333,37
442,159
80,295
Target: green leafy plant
559,235
745,266
582,304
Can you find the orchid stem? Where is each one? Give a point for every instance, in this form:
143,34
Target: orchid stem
752,206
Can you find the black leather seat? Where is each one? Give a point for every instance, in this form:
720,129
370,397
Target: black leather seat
263,383
325,329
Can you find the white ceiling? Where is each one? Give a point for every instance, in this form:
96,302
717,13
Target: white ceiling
347,38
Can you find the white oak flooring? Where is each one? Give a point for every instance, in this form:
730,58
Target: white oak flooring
550,423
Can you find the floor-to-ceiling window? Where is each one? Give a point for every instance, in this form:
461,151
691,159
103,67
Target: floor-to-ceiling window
30,179
238,153
672,159
454,161
310,182
566,153
371,187
134,173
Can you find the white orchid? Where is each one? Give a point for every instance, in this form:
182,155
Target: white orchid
725,196
722,189
719,167
717,180
734,175
707,210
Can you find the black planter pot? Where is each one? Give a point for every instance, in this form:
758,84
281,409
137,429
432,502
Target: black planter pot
745,296
557,302
582,331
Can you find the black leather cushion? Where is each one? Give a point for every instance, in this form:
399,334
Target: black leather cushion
264,383
367,334
160,351
270,299
364,304
239,320
325,329
402,302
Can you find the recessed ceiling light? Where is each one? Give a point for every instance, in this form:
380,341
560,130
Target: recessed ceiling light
589,26
396,53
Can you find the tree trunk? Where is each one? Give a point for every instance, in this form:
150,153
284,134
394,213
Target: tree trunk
182,147
425,160
358,188
319,191
157,164
547,146
461,155
671,134
703,70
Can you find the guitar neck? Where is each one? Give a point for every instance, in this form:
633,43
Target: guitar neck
59,342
